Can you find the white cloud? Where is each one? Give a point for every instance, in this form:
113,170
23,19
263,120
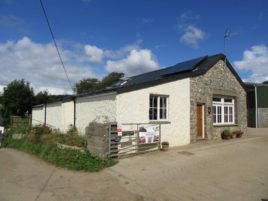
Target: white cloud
121,52
255,60
136,62
94,53
39,64
192,35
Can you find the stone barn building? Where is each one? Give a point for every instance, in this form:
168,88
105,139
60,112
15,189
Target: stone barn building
192,100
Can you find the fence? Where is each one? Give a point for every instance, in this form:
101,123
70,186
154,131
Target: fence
17,121
130,139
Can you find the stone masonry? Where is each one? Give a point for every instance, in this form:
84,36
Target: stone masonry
219,80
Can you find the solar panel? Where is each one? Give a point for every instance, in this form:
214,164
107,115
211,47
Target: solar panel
184,66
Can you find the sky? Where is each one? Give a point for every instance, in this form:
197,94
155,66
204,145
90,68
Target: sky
97,37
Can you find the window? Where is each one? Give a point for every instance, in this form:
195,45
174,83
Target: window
223,111
158,107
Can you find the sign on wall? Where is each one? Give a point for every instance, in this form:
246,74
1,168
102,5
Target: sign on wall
148,133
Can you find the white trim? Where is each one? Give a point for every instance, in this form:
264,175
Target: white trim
158,107
221,105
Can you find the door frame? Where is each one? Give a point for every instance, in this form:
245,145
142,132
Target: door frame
203,121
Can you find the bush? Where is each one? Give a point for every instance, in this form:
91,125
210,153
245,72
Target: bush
42,142
23,129
69,158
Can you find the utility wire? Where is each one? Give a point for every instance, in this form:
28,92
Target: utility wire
55,44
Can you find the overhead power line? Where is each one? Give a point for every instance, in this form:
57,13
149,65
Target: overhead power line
55,43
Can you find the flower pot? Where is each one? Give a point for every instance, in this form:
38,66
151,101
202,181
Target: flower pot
165,146
239,135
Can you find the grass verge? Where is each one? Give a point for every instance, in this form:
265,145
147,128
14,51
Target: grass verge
63,157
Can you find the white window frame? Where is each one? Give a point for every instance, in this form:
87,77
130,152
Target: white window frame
158,107
223,118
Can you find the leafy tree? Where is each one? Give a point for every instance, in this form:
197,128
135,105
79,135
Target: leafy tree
17,99
43,97
93,84
110,79
86,85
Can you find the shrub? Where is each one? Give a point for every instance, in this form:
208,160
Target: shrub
23,129
66,157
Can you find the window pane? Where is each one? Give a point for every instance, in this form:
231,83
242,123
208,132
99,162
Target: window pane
163,113
151,101
150,113
219,114
228,100
163,101
226,114
214,114
217,99
154,101
230,114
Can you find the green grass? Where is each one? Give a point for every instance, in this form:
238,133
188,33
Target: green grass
63,157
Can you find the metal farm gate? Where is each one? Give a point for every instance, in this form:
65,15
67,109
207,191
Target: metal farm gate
130,139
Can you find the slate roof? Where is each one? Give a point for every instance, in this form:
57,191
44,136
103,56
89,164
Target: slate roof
190,68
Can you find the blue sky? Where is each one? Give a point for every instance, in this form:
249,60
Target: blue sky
100,36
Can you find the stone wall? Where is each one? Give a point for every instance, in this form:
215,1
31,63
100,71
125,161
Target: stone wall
97,139
219,80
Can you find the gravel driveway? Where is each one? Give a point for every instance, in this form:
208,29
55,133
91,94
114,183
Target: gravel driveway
231,170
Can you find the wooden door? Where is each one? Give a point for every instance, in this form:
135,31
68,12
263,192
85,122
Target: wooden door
199,122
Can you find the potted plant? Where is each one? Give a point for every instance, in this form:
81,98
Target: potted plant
238,133
226,134
165,146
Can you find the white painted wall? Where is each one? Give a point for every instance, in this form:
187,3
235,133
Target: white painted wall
91,108
54,115
133,107
38,115
67,119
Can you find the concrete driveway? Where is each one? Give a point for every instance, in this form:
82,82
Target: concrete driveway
233,170
230,170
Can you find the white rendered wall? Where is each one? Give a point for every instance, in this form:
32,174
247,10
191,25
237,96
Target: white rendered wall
38,115
54,115
133,107
67,109
91,108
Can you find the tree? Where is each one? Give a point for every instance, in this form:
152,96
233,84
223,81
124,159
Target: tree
43,97
17,99
110,79
93,84
86,85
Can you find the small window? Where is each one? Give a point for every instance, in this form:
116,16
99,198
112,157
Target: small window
158,107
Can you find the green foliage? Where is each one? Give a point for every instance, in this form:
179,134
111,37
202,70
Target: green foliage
43,97
86,85
23,129
63,157
110,79
16,100
226,132
93,84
